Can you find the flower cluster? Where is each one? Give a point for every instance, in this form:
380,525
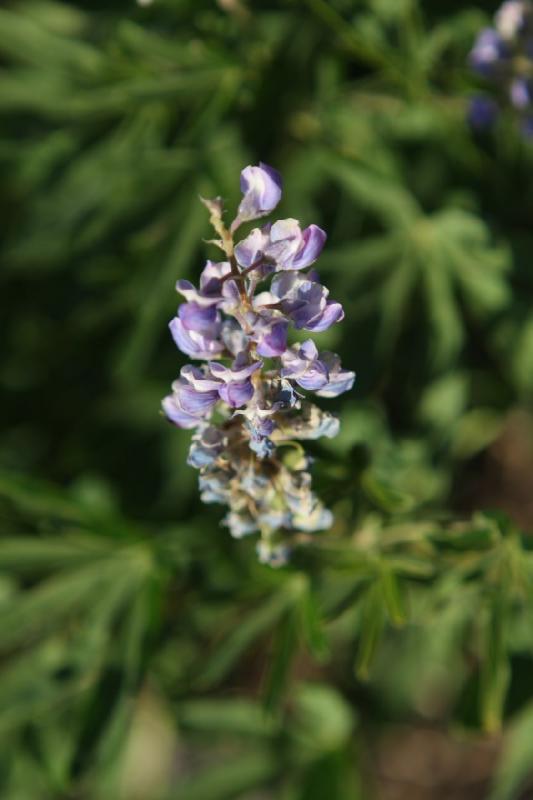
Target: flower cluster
503,55
247,401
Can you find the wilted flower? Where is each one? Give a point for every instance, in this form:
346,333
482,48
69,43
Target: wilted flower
503,55
248,412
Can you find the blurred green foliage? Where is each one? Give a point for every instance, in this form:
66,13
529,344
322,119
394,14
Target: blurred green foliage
143,654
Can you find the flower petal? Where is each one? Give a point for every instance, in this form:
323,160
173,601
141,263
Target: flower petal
261,187
194,344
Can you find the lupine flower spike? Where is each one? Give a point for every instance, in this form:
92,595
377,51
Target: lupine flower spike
248,400
503,55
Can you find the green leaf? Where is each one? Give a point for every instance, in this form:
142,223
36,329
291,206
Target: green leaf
312,625
237,716
52,602
384,196
372,624
495,667
383,495
30,554
245,632
515,768
284,649
393,595
475,431
324,720
229,779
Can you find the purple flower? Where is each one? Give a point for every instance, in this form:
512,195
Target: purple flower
193,397
252,249
237,394
527,127
200,379
521,93
211,283
291,248
258,408
339,380
488,52
260,426
302,364
270,333
261,187
321,373
207,444
305,301
193,343
231,297
504,55
281,246
236,388
233,336
482,113
201,319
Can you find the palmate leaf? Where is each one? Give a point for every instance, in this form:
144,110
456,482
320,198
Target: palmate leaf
245,632
24,38
48,606
83,610
443,256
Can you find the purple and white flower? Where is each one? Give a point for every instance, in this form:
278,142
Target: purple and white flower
261,187
251,250
212,280
194,395
270,333
259,406
303,365
281,246
207,445
521,93
235,383
193,343
339,380
318,372
201,319
291,248
503,55
305,301
489,52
